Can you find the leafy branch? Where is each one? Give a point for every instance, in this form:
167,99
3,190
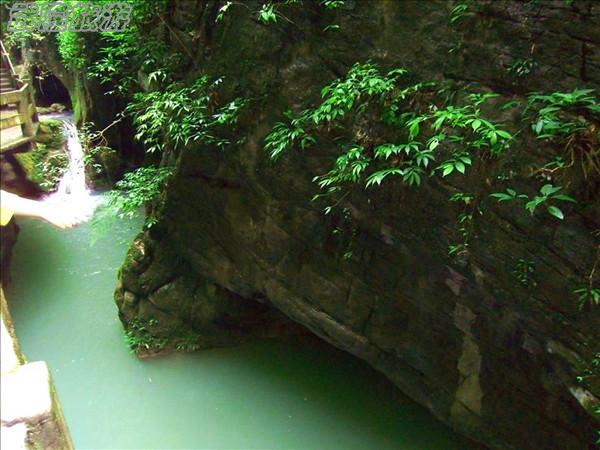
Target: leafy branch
418,136
180,115
547,193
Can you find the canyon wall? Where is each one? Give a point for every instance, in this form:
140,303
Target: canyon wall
237,234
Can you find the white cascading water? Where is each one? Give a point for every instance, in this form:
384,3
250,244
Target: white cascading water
72,188
73,180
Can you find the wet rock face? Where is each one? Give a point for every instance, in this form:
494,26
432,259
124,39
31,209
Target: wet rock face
495,359
183,310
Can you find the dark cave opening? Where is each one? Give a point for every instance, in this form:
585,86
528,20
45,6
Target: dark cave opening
49,89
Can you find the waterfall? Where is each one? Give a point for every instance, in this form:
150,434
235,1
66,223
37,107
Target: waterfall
73,182
72,187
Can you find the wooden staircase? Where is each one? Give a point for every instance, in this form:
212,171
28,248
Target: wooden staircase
6,80
18,116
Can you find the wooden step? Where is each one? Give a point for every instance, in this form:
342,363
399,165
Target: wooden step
9,121
8,112
10,97
13,138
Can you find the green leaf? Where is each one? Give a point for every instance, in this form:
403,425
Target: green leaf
531,205
501,196
439,122
397,72
460,167
564,197
553,210
539,126
548,189
465,159
476,124
433,143
447,170
414,129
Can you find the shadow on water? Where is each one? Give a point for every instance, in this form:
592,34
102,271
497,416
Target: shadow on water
289,394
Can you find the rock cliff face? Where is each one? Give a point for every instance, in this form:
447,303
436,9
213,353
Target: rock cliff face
237,234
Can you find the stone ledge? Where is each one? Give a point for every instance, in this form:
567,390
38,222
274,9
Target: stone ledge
31,417
26,395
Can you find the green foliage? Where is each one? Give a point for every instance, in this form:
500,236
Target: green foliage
71,48
114,62
139,337
458,162
44,166
510,194
47,161
266,13
467,199
15,39
222,11
522,67
435,131
175,116
124,61
556,114
591,370
51,169
332,4
547,193
565,118
20,32
271,11
523,272
188,343
587,295
464,222
570,120
94,144
556,164
458,11
181,115
138,188
125,56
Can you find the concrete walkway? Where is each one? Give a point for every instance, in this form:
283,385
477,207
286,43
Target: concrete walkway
30,413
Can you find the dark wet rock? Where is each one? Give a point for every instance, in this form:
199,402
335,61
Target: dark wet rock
238,238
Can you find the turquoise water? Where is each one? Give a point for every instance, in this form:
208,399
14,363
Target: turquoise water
269,395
